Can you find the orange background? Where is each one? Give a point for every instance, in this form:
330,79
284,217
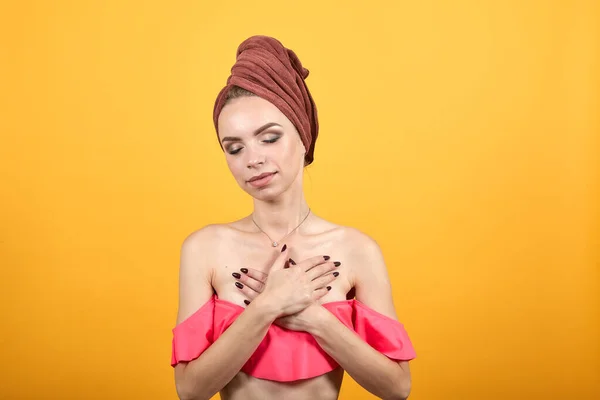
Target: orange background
463,136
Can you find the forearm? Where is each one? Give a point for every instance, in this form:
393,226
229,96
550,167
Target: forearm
205,376
372,370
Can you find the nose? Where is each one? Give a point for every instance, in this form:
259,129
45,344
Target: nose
254,164
255,160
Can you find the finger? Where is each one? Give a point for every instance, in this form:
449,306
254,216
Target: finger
255,274
322,269
246,291
312,262
252,283
324,280
289,263
317,294
281,259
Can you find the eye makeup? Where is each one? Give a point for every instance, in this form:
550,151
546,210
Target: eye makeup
234,148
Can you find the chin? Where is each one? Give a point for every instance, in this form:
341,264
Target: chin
265,194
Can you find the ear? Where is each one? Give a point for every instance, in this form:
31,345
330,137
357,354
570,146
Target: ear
304,156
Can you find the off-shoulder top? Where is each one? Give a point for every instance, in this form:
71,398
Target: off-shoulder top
285,355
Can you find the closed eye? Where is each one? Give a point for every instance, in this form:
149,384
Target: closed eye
237,150
272,140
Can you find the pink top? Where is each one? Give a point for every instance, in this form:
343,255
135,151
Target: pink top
286,355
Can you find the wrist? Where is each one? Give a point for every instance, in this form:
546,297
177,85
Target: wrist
266,308
319,320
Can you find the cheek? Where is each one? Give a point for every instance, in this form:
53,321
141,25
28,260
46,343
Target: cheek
290,149
235,165
289,157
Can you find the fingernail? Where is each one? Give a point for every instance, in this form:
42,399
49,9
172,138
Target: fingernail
239,285
328,287
244,270
292,262
246,302
236,275
336,273
337,263
326,258
283,248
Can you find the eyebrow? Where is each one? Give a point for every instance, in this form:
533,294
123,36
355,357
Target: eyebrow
256,132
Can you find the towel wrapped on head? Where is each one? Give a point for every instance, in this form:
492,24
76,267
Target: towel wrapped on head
266,68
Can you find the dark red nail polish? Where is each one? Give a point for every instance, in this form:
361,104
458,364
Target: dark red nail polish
337,263
239,285
236,275
244,270
292,262
326,258
336,273
246,302
328,287
283,248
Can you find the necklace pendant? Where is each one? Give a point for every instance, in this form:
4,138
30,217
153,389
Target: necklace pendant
275,244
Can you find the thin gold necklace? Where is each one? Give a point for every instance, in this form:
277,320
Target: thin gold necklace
275,243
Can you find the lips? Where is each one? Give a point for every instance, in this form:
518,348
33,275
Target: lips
261,176
262,180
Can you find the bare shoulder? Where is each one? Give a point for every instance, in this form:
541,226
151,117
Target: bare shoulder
360,241
358,245
369,271
208,240
206,236
200,249
354,245
198,252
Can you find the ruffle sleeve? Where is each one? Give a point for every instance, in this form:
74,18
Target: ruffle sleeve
194,335
381,332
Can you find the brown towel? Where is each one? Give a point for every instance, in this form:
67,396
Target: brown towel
269,70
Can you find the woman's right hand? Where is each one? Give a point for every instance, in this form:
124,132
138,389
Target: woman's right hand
291,290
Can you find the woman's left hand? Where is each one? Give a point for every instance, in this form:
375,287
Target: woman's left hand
253,283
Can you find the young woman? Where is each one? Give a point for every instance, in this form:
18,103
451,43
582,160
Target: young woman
267,307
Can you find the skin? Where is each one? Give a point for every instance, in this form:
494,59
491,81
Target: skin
257,138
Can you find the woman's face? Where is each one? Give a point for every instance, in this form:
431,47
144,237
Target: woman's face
262,147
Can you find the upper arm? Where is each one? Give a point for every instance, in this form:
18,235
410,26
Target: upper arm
195,284
371,279
372,282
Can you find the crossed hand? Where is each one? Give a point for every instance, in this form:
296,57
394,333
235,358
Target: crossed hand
295,286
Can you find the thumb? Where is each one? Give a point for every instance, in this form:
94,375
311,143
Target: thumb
281,259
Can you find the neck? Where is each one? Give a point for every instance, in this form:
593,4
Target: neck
277,218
